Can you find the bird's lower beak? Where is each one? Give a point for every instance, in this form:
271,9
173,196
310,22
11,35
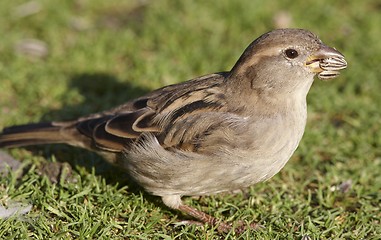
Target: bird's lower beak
326,62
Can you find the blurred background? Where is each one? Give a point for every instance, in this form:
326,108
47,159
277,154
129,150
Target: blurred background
64,59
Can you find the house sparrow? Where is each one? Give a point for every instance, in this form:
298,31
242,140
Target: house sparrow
215,133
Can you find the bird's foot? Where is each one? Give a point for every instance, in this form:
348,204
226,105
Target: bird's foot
221,226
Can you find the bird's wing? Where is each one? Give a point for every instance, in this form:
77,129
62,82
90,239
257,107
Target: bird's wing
178,115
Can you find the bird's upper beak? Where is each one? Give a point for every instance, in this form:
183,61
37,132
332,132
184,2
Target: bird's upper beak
326,62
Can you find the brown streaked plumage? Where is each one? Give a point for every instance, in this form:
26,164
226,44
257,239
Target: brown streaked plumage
215,133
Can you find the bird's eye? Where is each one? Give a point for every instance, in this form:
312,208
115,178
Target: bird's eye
291,53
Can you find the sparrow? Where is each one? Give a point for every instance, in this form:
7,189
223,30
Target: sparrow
215,133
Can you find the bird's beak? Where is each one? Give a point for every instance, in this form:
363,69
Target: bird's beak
326,62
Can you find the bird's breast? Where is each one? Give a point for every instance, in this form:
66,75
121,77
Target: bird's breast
276,139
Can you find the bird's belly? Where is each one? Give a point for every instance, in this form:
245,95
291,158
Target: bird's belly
242,171
185,173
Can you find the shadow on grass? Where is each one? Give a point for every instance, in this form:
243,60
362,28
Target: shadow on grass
100,92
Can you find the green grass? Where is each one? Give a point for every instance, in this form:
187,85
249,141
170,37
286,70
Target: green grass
102,53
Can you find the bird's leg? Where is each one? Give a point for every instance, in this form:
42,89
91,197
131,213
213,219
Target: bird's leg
221,225
205,218
174,202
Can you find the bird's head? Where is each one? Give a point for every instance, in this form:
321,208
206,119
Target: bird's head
286,60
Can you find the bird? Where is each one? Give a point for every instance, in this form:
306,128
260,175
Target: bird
215,133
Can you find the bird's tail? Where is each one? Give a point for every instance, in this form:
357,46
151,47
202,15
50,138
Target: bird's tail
32,134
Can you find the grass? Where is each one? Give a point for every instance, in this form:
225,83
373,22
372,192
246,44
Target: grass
96,54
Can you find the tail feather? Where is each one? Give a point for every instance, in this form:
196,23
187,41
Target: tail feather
31,134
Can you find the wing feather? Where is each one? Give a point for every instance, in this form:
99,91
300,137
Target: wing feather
174,114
